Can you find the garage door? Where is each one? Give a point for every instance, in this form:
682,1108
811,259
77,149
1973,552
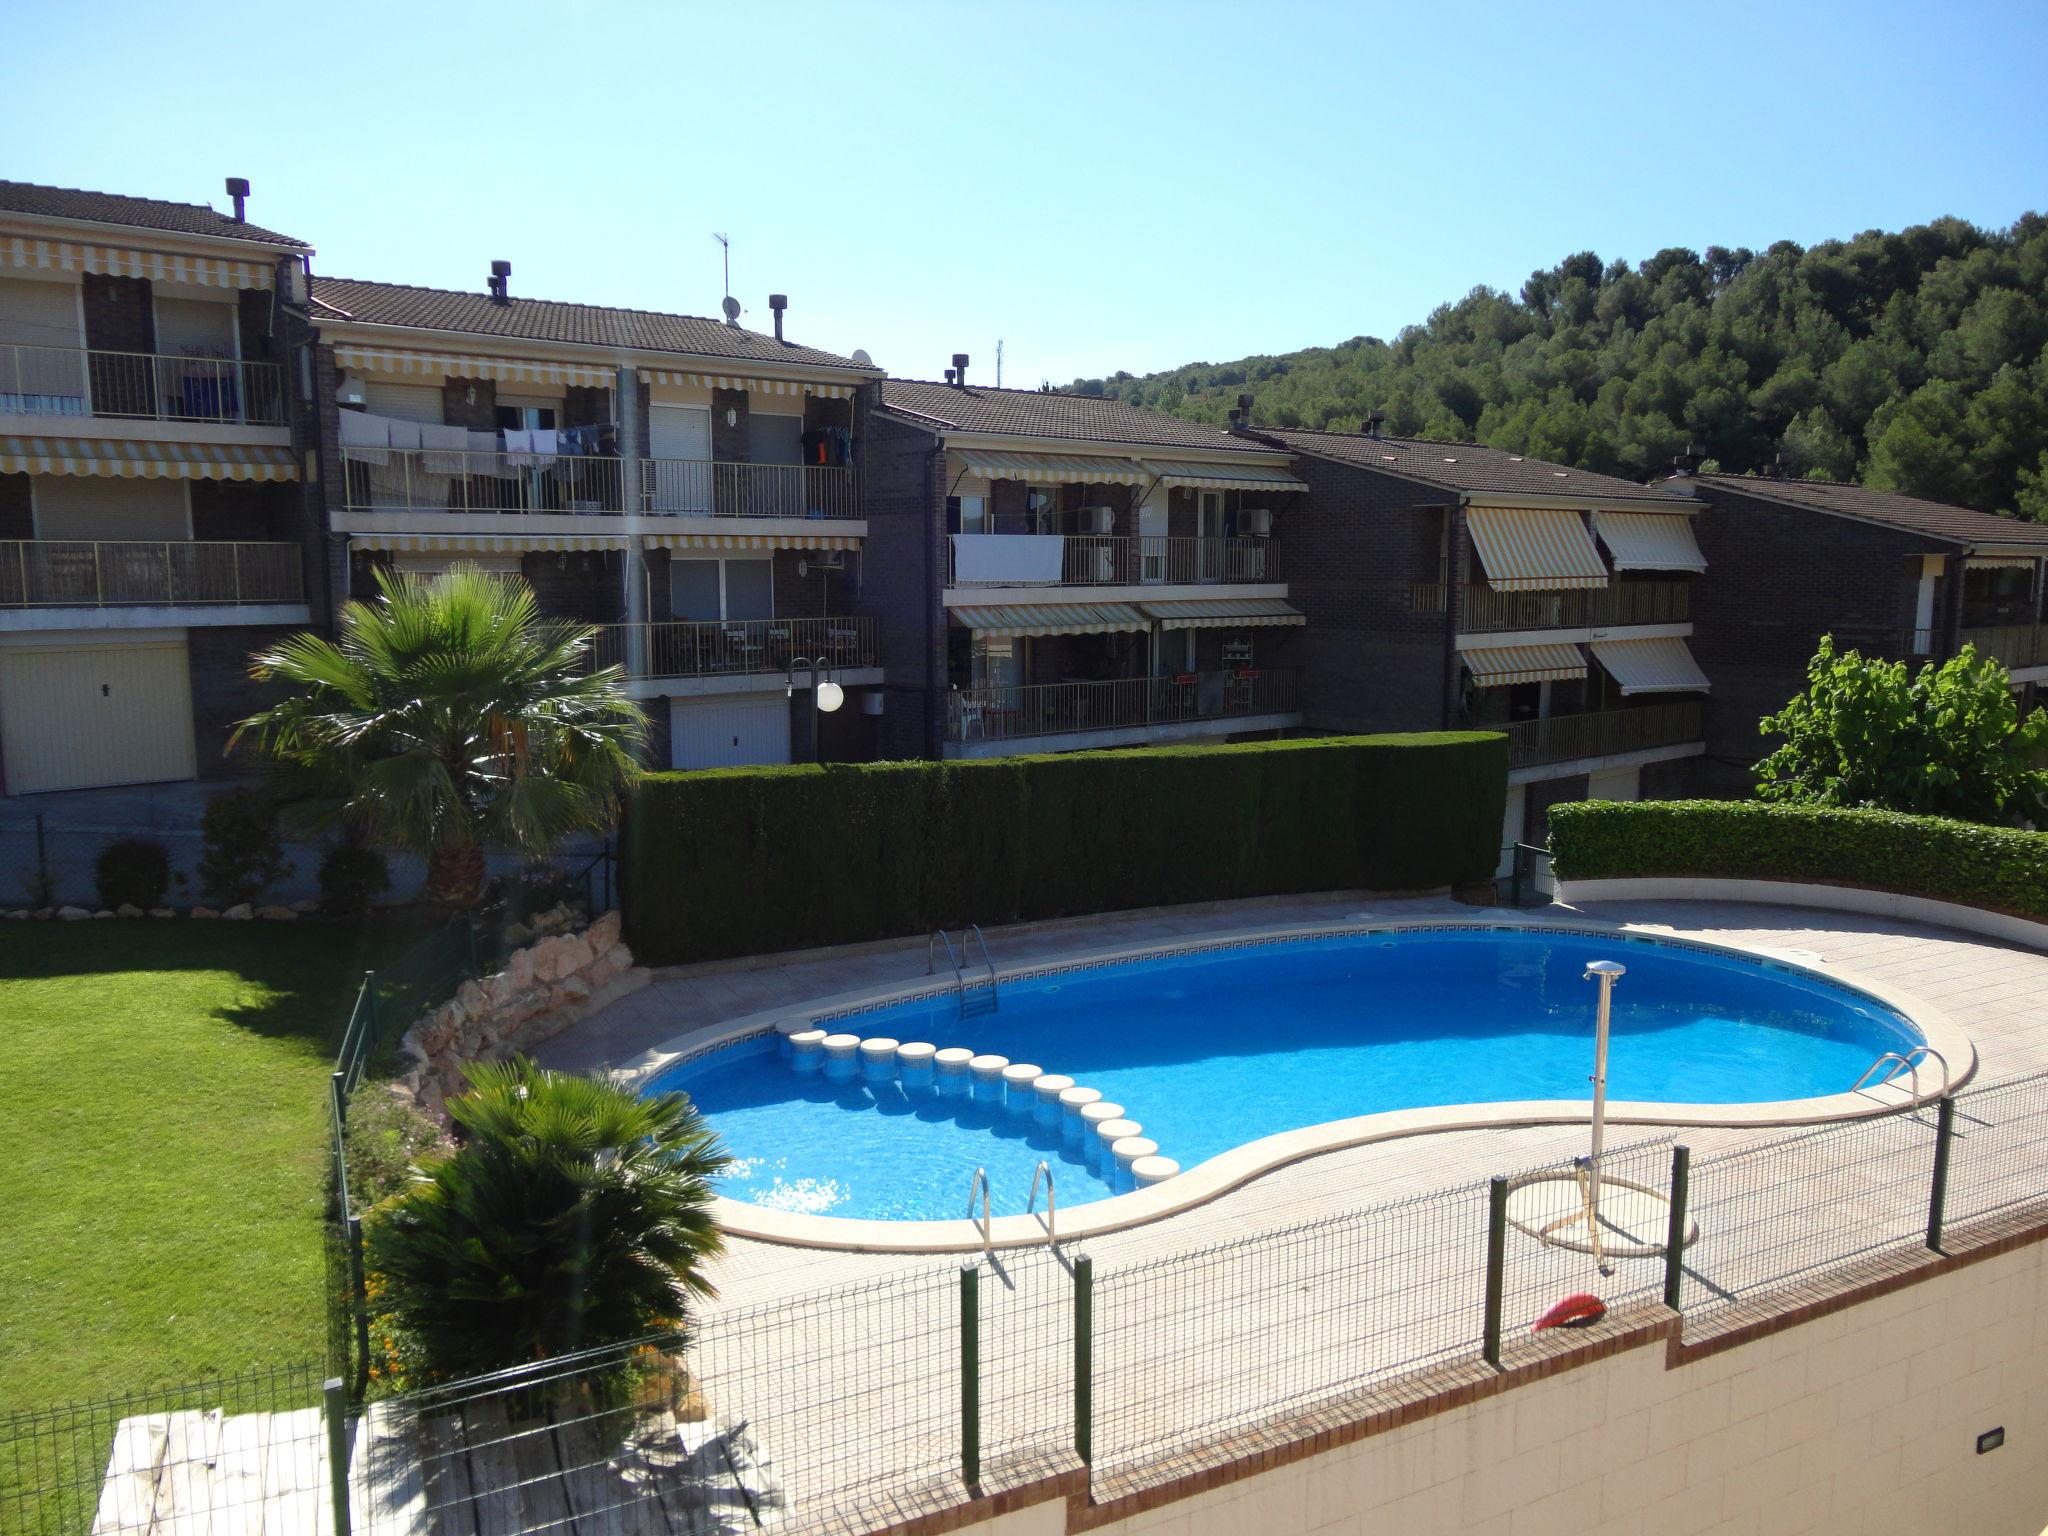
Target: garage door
729,733
80,716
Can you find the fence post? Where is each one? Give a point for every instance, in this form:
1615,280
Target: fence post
335,1401
970,1375
1674,1234
1937,1198
359,1293
369,1010
337,1092
1084,1359
1496,1266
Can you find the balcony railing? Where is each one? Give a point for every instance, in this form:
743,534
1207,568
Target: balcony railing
51,573
1108,560
450,480
687,649
1055,709
1605,733
712,488
71,381
2016,645
1623,602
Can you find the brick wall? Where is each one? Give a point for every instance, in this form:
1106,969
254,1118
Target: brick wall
323,430
584,585
457,409
253,320
242,509
729,443
586,406
1540,797
118,317
903,572
17,508
223,694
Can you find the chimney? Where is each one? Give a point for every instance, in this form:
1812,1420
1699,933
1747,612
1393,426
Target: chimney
238,189
501,274
1373,421
959,373
1236,418
949,375
778,302
1244,410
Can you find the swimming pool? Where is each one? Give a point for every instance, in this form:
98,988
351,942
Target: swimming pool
1211,1049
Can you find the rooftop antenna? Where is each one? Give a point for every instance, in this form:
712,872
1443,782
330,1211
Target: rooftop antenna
999,364
725,246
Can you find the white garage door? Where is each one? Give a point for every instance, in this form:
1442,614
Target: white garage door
80,716
1616,784
729,733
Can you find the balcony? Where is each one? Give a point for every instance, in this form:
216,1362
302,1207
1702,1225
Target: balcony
1605,733
711,488
1087,560
65,573
451,480
1060,709
2015,645
736,647
1628,602
75,382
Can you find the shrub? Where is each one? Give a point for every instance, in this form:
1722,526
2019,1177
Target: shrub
1960,861
243,855
133,872
351,877
386,1136
745,860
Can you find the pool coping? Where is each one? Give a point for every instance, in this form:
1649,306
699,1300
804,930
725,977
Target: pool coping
1229,1170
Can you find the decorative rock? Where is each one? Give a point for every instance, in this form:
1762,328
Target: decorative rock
604,933
103,913
277,914
204,912
306,908
574,989
128,909
19,914
153,912
72,914
43,914
240,912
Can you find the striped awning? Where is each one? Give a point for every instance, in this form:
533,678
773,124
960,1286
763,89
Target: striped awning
1650,541
115,261
1053,619
1051,468
145,460
1535,549
752,541
1223,613
1223,477
1999,563
1496,666
438,365
751,386
482,543
1663,665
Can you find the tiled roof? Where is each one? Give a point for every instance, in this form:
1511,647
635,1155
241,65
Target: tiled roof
139,212
1033,413
590,325
1936,519
1461,466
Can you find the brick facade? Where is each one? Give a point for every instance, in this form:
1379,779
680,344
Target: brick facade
903,573
729,443
119,316
223,695
258,511
585,585
17,508
459,410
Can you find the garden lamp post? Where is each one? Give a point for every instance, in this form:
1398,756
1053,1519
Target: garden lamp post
1607,973
826,696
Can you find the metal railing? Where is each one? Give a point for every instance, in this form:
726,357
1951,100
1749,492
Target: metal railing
452,480
75,381
1603,733
1623,602
1115,560
687,649
2015,645
42,573
714,488
1054,709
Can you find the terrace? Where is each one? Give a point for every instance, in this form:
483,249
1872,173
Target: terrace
80,573
1052,559
733,647
1488,611
984,721
81,382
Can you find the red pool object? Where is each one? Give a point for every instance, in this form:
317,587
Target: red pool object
1576,1311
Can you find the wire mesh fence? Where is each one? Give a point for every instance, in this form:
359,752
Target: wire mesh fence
1999,1161
1567,1233
1025,1363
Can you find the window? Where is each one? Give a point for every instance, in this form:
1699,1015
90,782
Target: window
998,661
774,439
707,591
967,514
519,416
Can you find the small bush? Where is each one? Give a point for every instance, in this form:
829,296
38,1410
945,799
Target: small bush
133,872
1959,861
351,877
387,1134
244,855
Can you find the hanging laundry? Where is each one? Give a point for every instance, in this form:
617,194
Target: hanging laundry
365,439
445,450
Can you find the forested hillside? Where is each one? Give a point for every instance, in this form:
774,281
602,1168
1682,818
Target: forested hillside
1911,361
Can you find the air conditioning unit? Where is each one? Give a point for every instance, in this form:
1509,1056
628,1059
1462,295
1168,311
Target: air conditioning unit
1255,522
1095,519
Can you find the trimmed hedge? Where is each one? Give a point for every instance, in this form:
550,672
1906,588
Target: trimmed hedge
1960,861
750,860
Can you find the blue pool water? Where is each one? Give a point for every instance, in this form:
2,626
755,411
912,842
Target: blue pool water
1209,1051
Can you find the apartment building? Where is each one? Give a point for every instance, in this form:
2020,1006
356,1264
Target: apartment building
690,486
1054,572
154,525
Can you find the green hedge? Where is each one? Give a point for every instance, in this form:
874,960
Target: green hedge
751,860
1960,861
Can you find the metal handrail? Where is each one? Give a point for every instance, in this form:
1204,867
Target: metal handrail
729,488
985,960
938,937
1908,1063
40,573
1097,559
1005,712
1044,1171
93,381
980,1185
711,647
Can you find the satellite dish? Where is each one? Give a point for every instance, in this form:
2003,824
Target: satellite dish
731,306
860,355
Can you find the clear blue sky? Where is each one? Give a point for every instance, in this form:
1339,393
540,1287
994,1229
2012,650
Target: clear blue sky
1100,185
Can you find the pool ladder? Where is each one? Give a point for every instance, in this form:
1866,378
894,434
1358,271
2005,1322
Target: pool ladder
977,1189
1888,1068
983,1000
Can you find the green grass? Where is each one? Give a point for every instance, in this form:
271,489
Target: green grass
162,1135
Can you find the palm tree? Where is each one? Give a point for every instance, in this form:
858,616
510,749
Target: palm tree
575,1214
450,716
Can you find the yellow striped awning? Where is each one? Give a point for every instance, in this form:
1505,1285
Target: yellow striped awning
1496,666
1223,613
1650,541
751,386
1223,477
1535,549
762,541
1999,563
115,261
442,365
1053,619
1663,665
482,543
145,460
1051,468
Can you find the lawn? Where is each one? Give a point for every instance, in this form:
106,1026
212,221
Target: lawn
162,1134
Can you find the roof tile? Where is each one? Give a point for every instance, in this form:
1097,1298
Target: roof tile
1463,467
1937,519
1036,413
37,201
